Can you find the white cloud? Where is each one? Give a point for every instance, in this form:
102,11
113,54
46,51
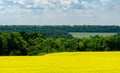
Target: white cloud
1,2
36,2
75,1
64,6
65,2
28,6
69,7
105,1
53,8
21,1
14,1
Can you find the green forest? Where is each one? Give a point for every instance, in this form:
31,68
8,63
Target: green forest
25,40
67,28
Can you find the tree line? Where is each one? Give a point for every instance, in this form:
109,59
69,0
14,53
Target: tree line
66,28
59,31
34,43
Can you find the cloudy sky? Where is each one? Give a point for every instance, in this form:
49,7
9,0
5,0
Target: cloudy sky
60,12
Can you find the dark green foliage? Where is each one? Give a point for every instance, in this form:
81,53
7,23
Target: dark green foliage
49,45
47,31
58,28
33,50
58,31
113,43
3,43
34,43
16,43
15,53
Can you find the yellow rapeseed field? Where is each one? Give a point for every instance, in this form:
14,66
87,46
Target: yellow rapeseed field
77,62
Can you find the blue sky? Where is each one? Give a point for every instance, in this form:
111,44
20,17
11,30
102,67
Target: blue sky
60,12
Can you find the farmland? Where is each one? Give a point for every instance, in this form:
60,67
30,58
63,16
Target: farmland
87,35
66,62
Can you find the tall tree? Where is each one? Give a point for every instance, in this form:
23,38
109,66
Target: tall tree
3,43
16,43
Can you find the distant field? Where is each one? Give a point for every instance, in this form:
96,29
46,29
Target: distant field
78,62
86,35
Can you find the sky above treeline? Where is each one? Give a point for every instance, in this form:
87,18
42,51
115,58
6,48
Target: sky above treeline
60,12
